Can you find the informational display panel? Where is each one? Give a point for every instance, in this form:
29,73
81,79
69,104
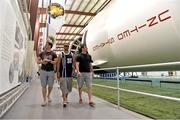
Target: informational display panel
13,37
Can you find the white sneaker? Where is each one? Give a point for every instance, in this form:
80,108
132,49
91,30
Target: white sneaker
64,104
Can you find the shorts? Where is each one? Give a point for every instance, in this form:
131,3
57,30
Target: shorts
47,78
66,85
85,77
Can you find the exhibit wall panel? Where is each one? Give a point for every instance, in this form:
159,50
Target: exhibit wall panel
13,39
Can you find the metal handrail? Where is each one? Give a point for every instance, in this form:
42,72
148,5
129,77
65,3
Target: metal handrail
132,91
8,93
142,93
9,101
139,66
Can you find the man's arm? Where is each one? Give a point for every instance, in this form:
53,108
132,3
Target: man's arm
54,62
40,61
90,64
77,67
91,67
74,64
58,66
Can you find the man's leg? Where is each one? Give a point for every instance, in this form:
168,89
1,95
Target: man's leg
50,84
89,86
91,103
69,87
67,98
44,92
63,86
80,85
43,78
90,94
49,92
80,94
64,100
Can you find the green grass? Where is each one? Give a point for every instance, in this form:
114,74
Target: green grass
165,90
153,107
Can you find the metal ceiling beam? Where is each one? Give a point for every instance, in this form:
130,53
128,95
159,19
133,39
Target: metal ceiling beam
44,11
71,25
62,42
102,6
76,34
62,46
59,47
59,44
64,39
79,13
78,7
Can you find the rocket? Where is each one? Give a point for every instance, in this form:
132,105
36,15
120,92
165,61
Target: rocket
137,35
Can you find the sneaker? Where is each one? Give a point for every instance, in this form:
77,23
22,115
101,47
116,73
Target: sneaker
92,104
64,104
44,104
80,101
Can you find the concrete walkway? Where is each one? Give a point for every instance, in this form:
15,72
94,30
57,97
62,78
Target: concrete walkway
29,107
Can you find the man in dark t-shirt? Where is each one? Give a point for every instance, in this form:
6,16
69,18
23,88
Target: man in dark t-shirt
84,71
48,59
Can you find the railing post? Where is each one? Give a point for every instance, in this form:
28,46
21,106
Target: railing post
117,74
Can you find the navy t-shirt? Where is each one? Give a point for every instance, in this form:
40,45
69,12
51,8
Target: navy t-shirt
66,65
84,62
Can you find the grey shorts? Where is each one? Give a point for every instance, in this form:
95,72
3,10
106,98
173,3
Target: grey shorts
47,78
86,77
66,85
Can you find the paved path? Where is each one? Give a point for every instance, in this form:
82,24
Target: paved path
29,107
